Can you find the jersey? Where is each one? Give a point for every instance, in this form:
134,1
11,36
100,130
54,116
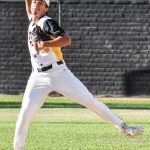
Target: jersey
48,55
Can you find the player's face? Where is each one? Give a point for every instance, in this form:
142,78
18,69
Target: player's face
38,7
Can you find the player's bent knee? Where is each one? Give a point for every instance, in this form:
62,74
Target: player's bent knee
87,98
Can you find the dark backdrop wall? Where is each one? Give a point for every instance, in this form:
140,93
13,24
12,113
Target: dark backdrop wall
110,48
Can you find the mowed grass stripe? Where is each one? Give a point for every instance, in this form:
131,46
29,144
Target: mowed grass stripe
14,101
75,114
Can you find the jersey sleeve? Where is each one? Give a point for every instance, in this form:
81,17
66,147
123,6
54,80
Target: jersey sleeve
52,28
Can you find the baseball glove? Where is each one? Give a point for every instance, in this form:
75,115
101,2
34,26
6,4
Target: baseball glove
39,35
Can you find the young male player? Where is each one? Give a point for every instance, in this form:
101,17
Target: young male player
50,73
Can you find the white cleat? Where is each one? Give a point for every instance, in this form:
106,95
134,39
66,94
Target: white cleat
130,131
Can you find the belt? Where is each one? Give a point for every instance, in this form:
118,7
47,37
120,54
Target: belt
49,67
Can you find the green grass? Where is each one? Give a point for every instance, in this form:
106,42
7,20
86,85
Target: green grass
14,101
75,128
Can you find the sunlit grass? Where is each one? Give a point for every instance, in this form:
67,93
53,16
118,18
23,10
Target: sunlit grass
74,129
65,125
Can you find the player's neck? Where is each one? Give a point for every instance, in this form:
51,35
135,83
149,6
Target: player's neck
36,18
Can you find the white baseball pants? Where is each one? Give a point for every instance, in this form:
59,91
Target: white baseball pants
59,79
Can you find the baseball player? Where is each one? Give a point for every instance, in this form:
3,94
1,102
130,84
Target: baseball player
50,73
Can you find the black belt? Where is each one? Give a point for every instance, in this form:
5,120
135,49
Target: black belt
49,67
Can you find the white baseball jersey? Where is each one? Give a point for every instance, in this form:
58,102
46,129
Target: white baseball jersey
49,55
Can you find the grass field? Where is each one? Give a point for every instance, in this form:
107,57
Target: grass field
64,125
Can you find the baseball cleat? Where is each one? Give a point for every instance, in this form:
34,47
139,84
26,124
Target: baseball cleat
130,131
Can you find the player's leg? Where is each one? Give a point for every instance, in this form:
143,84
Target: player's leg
68,85
36,91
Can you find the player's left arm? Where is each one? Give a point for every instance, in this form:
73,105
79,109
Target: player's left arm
60,37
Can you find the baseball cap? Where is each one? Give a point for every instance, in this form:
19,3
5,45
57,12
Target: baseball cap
47,2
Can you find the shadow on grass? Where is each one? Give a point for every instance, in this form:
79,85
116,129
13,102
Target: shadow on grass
75,105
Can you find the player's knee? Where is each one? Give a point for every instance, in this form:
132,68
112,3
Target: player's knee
24,115
87,98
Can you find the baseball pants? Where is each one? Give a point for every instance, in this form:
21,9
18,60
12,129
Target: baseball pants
62,80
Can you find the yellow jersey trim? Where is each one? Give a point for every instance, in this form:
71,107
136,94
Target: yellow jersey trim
56,50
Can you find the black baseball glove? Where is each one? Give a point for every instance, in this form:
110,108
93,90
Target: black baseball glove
39,35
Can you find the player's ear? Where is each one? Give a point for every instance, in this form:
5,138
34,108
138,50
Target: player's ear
46,9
